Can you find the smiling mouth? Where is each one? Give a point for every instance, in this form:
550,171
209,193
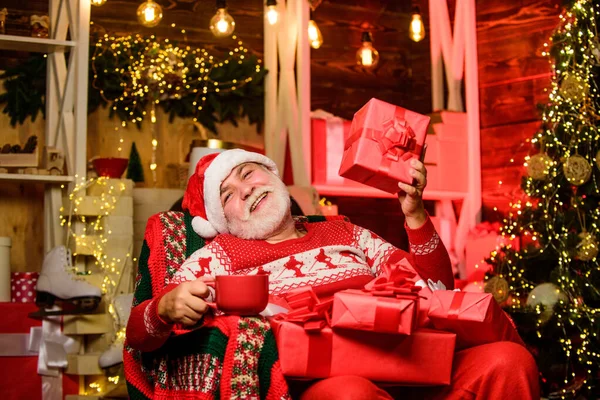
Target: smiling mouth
257,201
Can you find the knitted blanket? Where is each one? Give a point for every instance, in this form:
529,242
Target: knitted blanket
228,358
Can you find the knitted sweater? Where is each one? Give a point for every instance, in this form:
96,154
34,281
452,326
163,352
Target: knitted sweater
232,357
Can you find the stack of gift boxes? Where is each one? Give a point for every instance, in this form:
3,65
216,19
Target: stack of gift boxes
394,330
397,329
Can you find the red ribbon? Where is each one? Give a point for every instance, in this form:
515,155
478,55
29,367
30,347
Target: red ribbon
308,311
387,315
457,300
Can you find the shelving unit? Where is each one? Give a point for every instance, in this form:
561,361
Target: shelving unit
66,111
33,44
37,178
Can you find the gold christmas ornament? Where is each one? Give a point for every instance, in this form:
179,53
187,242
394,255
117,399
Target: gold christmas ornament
587,249
574,88
598,159
547,295
595,49
538,166
498,287
577,170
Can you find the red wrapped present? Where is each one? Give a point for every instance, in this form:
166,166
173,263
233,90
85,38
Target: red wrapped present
309,348
383,139
328,134
19,365
388,304
476,318
22,286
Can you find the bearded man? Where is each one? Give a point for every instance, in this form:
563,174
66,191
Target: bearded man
239,202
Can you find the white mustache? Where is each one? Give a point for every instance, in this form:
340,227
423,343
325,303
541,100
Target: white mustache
253,197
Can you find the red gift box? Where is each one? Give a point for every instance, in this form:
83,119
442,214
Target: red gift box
328,136
388,303
476,318
423,358
19,378
22,286
383,140
361,311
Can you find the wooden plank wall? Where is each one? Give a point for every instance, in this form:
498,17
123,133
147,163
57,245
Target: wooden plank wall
513,77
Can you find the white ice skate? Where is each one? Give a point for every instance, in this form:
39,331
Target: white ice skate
113,356
59,285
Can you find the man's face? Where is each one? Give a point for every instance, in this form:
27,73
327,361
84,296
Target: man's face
255,201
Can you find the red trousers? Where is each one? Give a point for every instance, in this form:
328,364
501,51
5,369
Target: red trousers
496,371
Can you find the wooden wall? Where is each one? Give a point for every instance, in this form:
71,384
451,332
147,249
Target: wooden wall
513,77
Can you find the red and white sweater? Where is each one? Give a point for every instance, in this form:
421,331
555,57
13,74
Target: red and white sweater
332,256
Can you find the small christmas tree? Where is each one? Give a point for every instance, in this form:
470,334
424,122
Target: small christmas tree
135,171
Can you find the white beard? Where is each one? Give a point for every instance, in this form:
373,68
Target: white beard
260,224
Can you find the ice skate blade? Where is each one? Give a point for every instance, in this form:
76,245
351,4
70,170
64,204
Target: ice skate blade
73,306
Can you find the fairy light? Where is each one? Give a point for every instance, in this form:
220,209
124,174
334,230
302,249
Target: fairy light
555,217
94,238
160,70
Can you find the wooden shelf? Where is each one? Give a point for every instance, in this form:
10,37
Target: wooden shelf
32,44
366,191
37,178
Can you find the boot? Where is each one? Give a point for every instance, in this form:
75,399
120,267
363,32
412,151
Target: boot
58,285
113,356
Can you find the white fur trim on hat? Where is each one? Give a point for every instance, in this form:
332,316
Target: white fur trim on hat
203,228
218,170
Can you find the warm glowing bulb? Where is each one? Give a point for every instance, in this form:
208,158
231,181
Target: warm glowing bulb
367,56
222,24
149,13
272,15
98,3
417,30
314,35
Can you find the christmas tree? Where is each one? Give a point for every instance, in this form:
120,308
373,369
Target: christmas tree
135,170
549,278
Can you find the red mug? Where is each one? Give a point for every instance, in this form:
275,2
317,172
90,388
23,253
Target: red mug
241,294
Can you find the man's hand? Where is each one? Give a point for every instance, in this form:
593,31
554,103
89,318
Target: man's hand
184,304
410,196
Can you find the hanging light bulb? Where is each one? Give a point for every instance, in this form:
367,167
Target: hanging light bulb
314,34
272,13
367,56
97,3
149,13
417,30
222,24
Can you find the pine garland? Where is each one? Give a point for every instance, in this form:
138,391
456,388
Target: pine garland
128,73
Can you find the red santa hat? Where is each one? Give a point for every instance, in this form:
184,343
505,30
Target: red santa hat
202,197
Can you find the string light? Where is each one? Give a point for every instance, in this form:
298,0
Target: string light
417,30
272,14
161,71
314,33
96,233
149,13
97,3
222,23
367,56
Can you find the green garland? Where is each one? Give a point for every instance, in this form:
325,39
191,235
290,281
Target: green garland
130,73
